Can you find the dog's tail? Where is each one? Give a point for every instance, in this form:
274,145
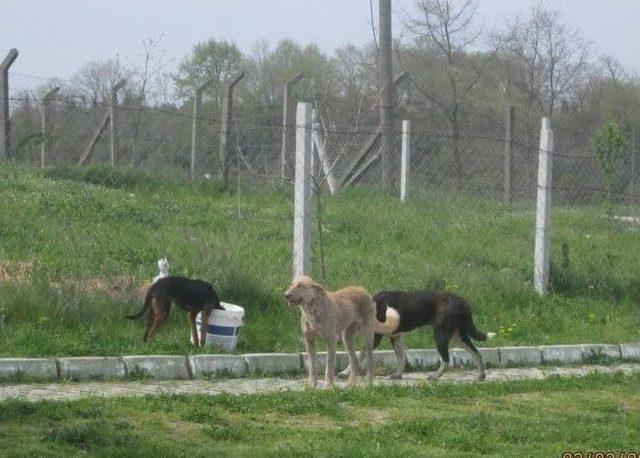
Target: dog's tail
475,333
147,303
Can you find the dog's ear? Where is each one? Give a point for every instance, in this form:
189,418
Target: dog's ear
315,287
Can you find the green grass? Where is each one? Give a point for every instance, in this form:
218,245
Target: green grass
524,418
99,223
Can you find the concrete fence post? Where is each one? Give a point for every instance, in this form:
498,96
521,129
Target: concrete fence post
302,192
405,159
45,151
113,120
543,209
4,103
287,108
195,121
508,152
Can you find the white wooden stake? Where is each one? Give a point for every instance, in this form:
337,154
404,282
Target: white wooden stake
302,192
405,159
543,209
318,142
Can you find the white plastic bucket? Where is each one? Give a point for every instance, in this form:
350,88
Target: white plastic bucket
224,326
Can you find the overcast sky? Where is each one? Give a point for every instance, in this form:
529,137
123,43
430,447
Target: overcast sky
55,37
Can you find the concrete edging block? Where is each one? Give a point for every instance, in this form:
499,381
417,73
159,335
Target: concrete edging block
520,356
216,365
460,357
561,353
490,356
31,368
92,367
159,367
630,351
385,358
273,363
595,350
342,361
422,359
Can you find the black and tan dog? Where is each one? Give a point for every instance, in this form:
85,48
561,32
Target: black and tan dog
192,296
399,312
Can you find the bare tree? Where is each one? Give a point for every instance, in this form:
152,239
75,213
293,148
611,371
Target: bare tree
152,65
613,68
95,79
356,84
547,59
443,31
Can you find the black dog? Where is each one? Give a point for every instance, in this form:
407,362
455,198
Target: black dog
448,314
192,296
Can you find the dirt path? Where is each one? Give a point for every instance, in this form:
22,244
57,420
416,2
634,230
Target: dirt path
71,391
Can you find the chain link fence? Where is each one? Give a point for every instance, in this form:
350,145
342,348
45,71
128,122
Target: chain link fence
469,162
470,158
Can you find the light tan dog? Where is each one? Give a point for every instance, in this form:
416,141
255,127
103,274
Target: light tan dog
331,314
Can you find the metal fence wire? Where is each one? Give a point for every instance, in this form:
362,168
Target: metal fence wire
160,137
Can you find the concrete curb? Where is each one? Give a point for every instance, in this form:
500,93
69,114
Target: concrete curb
520,356
630,352
561,353
217,365
158,367
342,361
174,367
385,358
273,363
461,357
90,367
607,351
28,368
422,359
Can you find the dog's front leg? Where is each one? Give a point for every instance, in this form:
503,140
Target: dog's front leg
191,316
310,347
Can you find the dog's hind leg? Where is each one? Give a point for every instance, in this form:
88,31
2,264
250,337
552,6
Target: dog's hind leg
330,369
362,357
398,348
369,338
467,344
347,338
160,311
150,319
191,316
442,343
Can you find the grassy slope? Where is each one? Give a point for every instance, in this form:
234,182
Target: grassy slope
527,418
98,223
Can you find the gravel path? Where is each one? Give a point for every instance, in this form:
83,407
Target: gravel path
70,391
